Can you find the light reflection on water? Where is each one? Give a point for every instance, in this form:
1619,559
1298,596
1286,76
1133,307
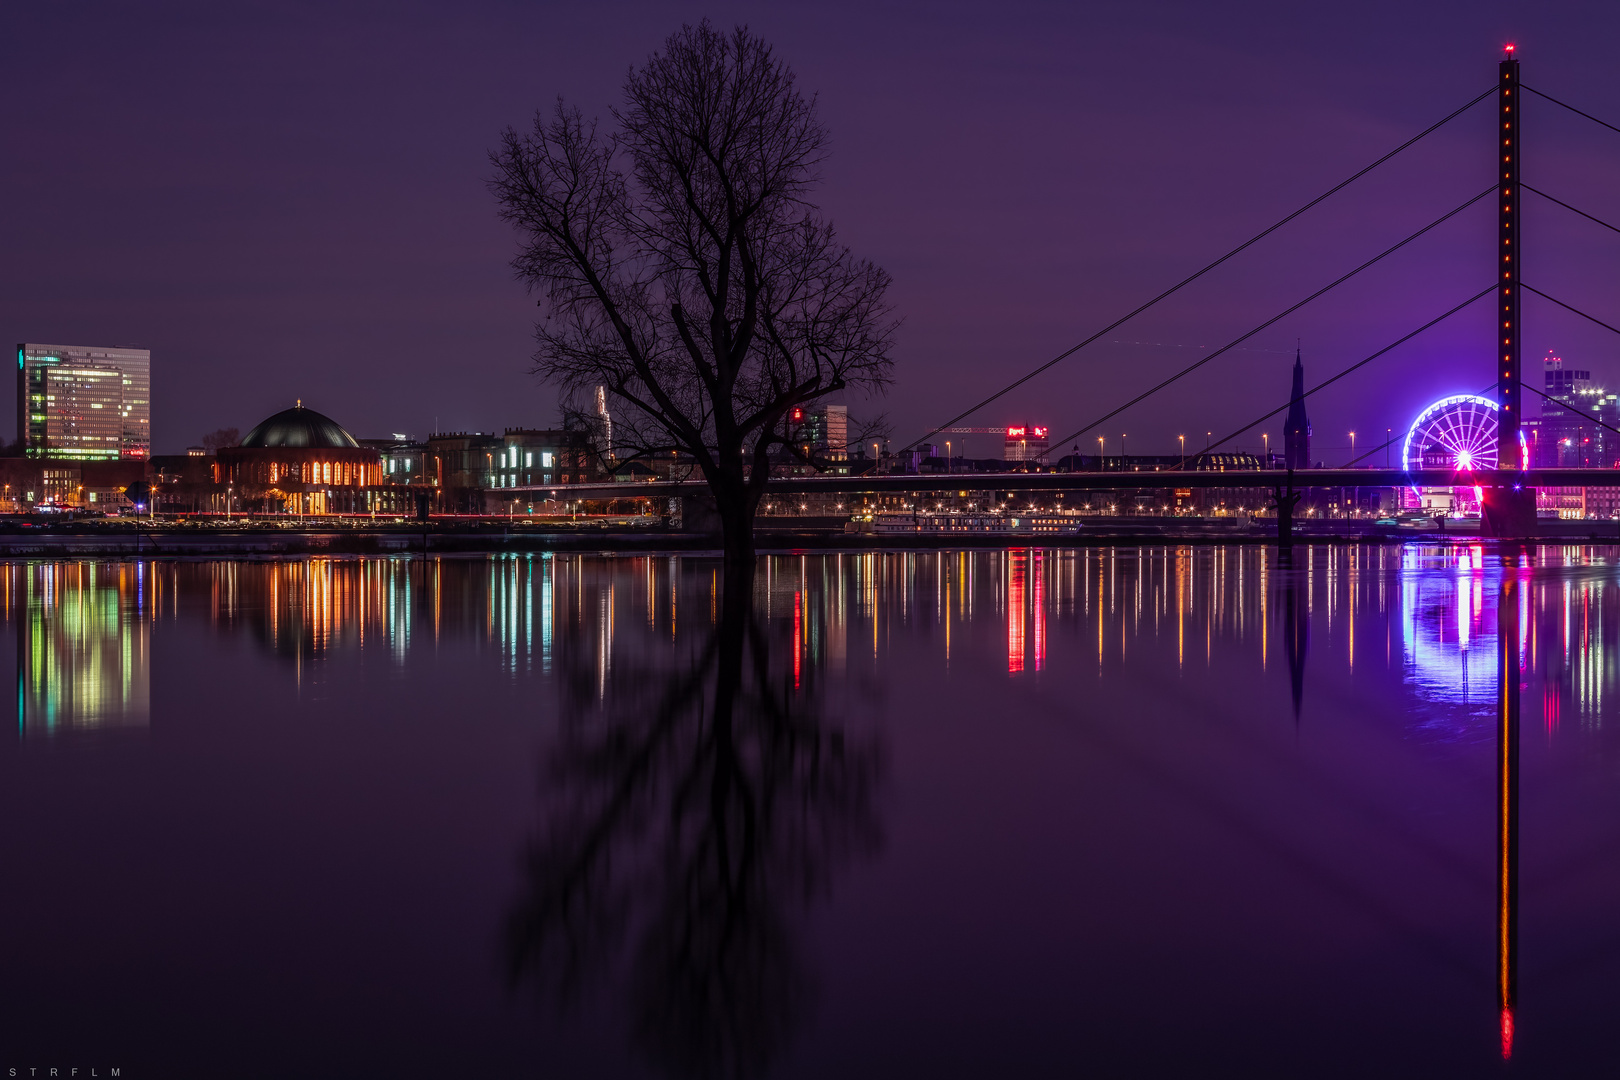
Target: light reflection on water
622,663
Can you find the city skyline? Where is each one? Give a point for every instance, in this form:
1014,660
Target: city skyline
1102,155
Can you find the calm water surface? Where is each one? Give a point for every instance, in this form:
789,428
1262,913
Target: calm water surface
1119,812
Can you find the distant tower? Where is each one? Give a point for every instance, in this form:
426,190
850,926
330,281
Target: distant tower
602,415
1297,429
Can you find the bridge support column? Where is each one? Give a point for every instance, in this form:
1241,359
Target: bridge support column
1508,512
1285,503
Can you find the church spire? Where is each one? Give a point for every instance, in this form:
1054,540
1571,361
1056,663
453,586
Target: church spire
1297,428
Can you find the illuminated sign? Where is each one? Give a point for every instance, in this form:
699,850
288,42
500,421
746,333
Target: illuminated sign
1015,433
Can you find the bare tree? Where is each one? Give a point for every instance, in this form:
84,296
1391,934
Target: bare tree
680,264
214,441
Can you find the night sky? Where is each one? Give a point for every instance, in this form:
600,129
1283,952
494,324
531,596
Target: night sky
287,200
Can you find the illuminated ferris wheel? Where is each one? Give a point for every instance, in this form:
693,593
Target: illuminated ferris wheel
1454,433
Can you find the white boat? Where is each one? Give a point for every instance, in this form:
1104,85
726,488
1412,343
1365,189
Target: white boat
969,523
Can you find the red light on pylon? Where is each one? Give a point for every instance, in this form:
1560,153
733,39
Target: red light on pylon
1510,48
798,416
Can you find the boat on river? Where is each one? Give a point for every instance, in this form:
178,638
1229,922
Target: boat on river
963,523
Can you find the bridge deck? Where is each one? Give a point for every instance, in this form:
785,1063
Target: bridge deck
1103,481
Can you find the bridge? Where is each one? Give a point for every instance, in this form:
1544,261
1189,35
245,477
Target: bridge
1206,479
1502,471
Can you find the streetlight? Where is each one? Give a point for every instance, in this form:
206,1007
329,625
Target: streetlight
1352,448
1265,437
948,469
1099,453
1388,438
1182,439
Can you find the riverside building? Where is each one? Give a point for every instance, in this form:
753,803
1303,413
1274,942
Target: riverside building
84,402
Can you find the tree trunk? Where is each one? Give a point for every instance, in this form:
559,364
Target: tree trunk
736,511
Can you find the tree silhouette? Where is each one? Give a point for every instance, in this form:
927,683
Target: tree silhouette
681,266
684,819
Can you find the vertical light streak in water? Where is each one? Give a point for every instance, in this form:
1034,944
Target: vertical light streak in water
1242,597
1332,588
1136,610
1566,609
798,638
1181,607
1265,608
1015,613
1156,568
871,604
652,594
528,613
606,606
1507,774
1113,559
1085,583
1100,559
1350,625
548,609
1465,606
673,568
1039,600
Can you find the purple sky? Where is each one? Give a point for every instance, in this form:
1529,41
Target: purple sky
286,200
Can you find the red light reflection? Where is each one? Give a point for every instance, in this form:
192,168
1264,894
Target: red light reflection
1015,613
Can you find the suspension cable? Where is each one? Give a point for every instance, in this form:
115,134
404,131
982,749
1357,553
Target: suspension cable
1256,238
1568,307
1201,361
1568,207
1353,367
1566,405
1571,108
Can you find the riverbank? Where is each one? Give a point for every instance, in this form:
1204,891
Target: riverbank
125,538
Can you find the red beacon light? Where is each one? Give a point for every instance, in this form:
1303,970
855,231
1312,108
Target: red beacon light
1508,48
798,415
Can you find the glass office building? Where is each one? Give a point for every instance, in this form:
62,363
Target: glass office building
85,403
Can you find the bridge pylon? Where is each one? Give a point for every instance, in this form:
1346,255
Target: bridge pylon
1509,510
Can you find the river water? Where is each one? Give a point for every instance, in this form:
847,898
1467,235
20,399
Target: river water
1112,811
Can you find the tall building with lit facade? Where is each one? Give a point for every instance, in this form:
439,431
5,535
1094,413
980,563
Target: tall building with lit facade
84,403
826,432
1568,432
1025,442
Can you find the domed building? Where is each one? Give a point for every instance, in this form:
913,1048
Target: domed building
300,461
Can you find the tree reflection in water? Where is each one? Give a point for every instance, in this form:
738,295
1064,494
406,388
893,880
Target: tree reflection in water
687,811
